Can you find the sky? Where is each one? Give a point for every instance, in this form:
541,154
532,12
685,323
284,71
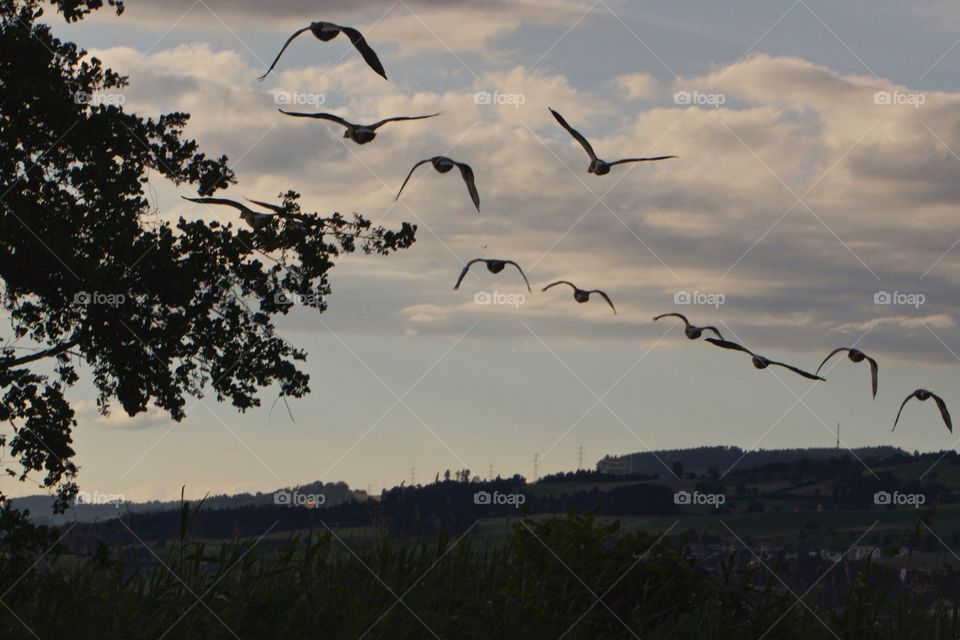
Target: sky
817,178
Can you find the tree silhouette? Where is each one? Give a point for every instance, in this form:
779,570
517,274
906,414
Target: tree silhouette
151,311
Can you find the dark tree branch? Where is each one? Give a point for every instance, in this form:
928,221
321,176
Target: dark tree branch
12,363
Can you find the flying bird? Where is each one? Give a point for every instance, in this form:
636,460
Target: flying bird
581,295
692,331
759,361
444,164
327,31
295,221
254,219
493,266
598,166
923,395
856,355
359,133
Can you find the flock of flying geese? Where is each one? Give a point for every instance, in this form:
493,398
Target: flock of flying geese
363,134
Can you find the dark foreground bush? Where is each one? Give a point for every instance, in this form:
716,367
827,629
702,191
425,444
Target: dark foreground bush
565,578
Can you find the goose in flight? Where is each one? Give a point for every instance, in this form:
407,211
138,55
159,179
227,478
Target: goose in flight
759,361
581,295
598,166
254,219
444,164
692,331
922,395
493,266
359,133
327,31
856,355
295,221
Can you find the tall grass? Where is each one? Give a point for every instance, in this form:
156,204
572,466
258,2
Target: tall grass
565,578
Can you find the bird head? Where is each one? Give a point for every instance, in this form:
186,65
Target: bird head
324,30
599,167
441,164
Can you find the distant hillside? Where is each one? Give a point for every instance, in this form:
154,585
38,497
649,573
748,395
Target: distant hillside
700,459
95,507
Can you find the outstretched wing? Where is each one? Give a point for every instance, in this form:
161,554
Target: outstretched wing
267,205
408,177
368,54
280,211
677,315
285,45
576,134
874,370
714,329
467,174
640,160
726,344
943,412
224,201
832,353
553,284
377,125
319,116
521,273
908,398
463,273
605,297
801,372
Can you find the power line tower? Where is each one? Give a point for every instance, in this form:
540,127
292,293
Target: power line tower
413,475
580,457
536,467
490,472
838,435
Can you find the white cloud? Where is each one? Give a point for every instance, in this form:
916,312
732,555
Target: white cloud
787,126
637,86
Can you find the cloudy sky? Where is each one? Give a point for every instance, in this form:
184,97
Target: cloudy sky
818,168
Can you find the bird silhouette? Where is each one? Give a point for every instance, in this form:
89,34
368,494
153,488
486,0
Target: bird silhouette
692,331
582,295
493,266
295,221
598,166
761,362
444,164
359,133
255,219
856,355
923,395
326,31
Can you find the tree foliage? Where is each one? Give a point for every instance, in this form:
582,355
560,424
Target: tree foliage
96,284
